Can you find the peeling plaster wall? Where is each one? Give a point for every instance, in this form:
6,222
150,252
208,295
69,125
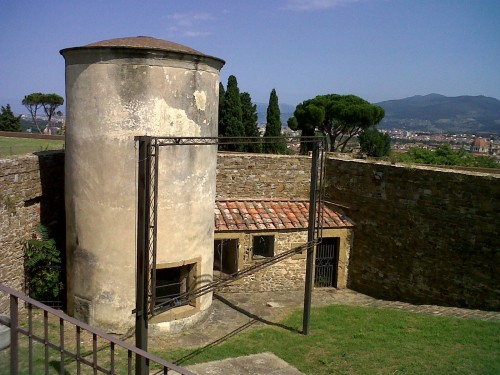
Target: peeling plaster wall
111,98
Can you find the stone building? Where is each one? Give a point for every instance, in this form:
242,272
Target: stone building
249,231
480,146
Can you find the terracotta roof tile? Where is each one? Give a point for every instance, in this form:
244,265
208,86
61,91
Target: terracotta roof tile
251,215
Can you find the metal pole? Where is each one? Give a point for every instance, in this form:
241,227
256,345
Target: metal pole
14,336
143,195
310,240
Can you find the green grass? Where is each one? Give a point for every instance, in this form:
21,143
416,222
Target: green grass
343,340
358,340
19,146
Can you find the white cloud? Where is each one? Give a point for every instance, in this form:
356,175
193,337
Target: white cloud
303,5
189,24
194,34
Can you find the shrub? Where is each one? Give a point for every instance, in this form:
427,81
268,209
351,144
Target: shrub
42,265
375,143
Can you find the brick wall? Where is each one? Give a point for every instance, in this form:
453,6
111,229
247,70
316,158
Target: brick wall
423,234
31,192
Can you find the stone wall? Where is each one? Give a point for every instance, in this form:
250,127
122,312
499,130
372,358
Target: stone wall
423,235
286,275
289,274
31,192
262,176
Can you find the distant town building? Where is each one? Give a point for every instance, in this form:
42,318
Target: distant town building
479,146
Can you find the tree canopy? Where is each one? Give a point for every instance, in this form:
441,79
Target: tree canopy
33,102
273,126
222,95
49,102
9,122
231,115
374,143
249,119
445,155
339,117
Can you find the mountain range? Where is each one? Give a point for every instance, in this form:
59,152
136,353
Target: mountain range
432,113
439,113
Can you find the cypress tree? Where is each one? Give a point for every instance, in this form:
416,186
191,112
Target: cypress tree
230,118
273,126
249,119
222,94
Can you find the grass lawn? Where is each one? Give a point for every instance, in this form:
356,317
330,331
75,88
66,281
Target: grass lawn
360,340
19,146
343,340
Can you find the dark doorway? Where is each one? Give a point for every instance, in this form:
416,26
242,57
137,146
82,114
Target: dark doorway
327,259
225,256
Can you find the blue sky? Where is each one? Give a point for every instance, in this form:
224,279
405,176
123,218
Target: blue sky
376,49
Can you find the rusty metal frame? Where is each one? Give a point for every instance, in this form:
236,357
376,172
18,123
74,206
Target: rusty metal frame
149,149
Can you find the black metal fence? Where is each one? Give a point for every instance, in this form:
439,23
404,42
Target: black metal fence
44,340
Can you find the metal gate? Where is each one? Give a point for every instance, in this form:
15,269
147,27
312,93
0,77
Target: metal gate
327,259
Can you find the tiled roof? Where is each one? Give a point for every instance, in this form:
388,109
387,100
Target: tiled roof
250,215
480,142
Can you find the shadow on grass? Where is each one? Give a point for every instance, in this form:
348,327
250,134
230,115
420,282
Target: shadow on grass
57,366
255,319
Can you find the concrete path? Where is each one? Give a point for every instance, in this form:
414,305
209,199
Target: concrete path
233,313
255,364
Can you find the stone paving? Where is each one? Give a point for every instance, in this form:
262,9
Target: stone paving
255,364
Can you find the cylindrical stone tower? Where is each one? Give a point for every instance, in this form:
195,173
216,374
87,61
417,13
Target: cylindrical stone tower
115,90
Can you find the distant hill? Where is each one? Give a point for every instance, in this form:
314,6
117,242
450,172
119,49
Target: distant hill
439,113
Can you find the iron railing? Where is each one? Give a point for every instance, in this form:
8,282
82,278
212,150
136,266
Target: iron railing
45,340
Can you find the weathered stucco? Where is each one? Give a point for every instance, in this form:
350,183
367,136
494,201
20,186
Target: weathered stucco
113,95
